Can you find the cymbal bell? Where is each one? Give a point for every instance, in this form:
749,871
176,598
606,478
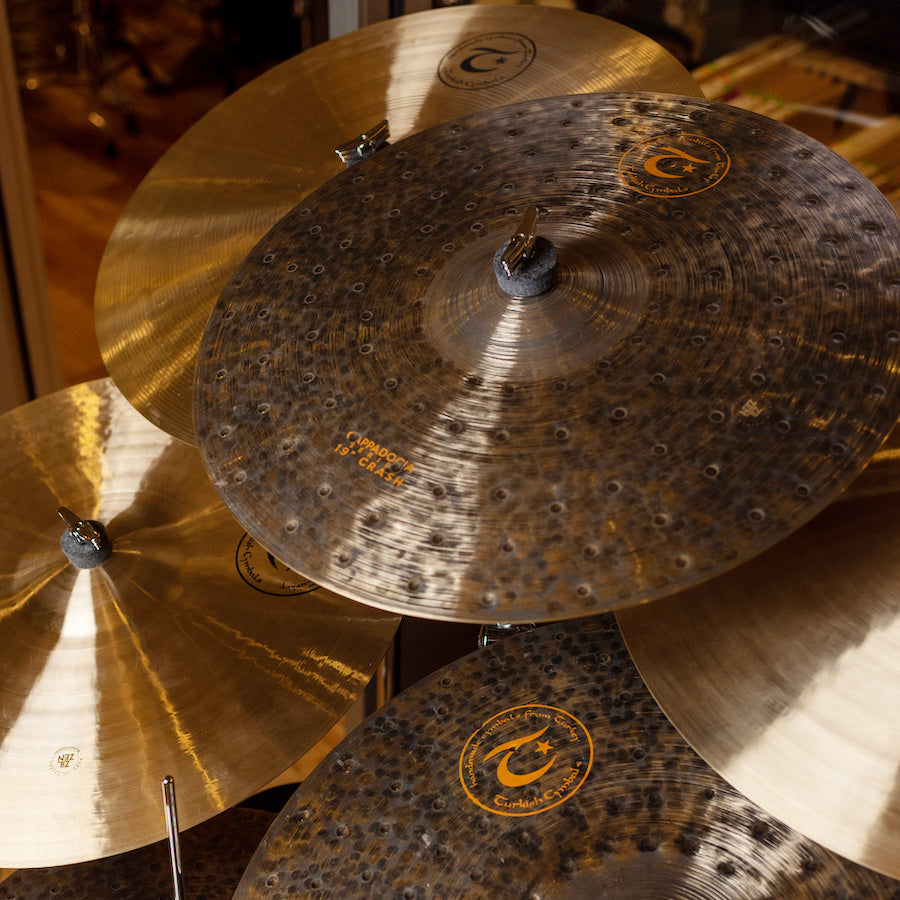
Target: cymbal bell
248,161
189,652
718,359
538,767
783,674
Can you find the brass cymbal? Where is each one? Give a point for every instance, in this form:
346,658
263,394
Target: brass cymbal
214,856
189,652
784,675
246,163
537,768
717,361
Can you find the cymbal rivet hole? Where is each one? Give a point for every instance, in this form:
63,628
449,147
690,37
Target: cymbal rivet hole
556,507
757,515
291,526
659,449
613,487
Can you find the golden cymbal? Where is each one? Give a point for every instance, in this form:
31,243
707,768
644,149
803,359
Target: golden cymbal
784,675
609,800
189,652
719,358
246,163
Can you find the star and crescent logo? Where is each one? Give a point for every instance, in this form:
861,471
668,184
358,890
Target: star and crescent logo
677,165
486,60
526,760
264,573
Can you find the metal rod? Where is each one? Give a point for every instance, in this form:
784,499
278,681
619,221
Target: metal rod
168,789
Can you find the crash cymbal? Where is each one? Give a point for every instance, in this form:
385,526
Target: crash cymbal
214,855
537,768
189,652
784,676
251,159
719,357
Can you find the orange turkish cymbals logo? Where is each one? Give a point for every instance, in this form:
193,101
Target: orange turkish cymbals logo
526,760
674,165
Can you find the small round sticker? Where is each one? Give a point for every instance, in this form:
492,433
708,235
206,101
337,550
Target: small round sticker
526,760
65,760
674,165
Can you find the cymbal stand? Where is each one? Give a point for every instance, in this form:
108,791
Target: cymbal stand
168,789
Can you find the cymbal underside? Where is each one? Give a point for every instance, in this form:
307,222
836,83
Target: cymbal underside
718,359
246,163
783,674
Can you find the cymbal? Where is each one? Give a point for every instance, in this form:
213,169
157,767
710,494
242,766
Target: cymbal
246,163
190,652
783,675
214,855
718,359
538,767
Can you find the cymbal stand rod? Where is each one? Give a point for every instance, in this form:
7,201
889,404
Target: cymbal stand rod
168,789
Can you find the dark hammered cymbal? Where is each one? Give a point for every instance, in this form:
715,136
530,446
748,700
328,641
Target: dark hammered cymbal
188,652
245,164
214,855
717,361
784,674
620,805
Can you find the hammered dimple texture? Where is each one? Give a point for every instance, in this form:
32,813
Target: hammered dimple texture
385,814
710,370
214,855
249,160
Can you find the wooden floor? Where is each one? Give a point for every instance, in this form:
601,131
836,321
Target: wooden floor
84,175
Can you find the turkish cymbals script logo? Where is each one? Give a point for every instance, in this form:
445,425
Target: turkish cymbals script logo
486,60
526,760
674,165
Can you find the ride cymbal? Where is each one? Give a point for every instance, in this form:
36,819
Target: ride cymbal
246,163
537,768
719,358
784,675
189,652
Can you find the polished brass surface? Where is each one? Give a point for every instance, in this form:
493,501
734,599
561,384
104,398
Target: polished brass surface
215,853
638,818
785,676
162,660
251,159
714,365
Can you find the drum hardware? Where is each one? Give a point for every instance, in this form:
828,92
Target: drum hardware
272,142
369,142
527,265
86,544
716,363
171,811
